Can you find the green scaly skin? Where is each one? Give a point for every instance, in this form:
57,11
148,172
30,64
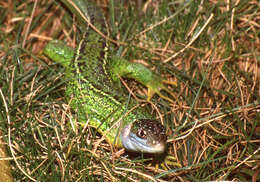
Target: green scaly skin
93,92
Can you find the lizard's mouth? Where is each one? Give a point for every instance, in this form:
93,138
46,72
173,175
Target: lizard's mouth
145,135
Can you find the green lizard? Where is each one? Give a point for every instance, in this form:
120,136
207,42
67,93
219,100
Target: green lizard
93,91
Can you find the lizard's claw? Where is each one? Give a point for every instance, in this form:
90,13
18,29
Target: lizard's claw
169,162
155,87
166,163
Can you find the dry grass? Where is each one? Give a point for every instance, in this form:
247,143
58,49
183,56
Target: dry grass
211,48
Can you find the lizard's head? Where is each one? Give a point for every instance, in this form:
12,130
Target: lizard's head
144,135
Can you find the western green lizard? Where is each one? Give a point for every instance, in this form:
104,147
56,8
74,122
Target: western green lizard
93,90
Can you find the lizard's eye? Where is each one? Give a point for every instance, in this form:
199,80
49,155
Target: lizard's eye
141,133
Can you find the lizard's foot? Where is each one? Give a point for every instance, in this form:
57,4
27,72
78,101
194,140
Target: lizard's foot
155,87
169,162
166,162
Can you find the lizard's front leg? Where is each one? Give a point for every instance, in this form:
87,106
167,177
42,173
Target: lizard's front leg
154,83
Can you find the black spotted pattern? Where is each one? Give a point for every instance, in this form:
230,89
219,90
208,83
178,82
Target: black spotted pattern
151,130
